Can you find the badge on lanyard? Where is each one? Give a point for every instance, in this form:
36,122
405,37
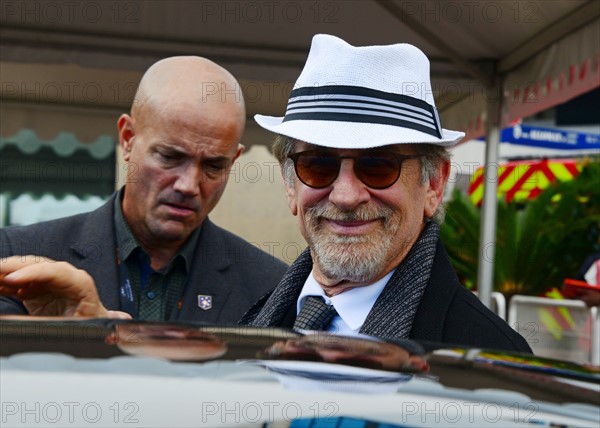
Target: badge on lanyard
204,302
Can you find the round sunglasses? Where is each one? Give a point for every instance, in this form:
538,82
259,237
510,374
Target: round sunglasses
377,170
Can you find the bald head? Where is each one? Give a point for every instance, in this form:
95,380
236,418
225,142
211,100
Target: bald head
189,82
180,141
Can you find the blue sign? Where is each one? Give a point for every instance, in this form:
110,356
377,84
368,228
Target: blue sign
550,138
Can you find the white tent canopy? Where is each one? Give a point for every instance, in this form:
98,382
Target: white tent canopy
546,52
492,61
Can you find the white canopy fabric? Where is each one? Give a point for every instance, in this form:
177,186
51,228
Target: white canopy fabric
564,70
492,62
545,51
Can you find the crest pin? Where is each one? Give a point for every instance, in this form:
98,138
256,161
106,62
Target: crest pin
204,302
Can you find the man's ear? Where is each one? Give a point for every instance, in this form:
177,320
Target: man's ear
435,190
241,148
126,134
290,192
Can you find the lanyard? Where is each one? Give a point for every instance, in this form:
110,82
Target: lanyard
125,290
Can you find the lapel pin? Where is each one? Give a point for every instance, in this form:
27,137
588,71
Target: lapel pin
204,302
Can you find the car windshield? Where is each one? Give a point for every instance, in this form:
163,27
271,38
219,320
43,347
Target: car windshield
450,382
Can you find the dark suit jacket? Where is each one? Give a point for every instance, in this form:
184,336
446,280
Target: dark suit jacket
232,271
448,312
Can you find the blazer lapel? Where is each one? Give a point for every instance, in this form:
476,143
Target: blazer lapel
95,250
207,280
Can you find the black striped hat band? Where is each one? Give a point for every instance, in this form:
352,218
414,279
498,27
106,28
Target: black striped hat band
359,104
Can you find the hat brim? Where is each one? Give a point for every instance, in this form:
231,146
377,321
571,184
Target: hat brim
353,135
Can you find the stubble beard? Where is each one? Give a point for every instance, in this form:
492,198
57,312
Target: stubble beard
356,258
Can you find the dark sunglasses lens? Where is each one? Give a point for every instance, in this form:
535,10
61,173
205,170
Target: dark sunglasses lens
378,171
317,170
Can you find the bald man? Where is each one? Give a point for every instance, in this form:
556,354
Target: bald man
150,252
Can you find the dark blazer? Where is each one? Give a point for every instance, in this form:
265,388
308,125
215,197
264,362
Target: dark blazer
231,270
448,312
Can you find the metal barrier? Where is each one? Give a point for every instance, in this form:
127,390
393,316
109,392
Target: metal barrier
556,328
498,304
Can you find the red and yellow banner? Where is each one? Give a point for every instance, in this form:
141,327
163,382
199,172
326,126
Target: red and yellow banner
519,181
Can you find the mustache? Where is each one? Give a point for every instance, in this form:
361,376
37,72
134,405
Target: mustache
362,213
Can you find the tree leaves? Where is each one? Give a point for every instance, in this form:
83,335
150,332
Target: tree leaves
538,244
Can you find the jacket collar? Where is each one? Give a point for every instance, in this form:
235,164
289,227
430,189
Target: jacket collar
96,250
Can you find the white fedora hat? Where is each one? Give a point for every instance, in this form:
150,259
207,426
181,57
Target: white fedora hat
362,97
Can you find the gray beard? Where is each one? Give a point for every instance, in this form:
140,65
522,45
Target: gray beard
352,258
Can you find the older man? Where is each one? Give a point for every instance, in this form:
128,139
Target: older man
151,250
365,165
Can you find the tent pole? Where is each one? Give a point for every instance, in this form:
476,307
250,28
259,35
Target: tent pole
487,231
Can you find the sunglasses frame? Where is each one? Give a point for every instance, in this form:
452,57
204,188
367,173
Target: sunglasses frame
399,158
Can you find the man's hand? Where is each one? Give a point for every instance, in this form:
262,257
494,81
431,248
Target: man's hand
51,288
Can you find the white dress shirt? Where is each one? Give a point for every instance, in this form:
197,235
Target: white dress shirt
352,306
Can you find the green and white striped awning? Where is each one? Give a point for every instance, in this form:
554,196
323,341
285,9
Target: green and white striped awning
60,166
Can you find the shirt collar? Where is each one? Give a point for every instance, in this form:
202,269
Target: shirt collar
353,305
127,242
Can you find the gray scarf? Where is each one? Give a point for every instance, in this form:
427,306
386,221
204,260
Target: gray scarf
392,314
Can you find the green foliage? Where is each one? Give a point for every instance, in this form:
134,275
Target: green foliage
538,244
